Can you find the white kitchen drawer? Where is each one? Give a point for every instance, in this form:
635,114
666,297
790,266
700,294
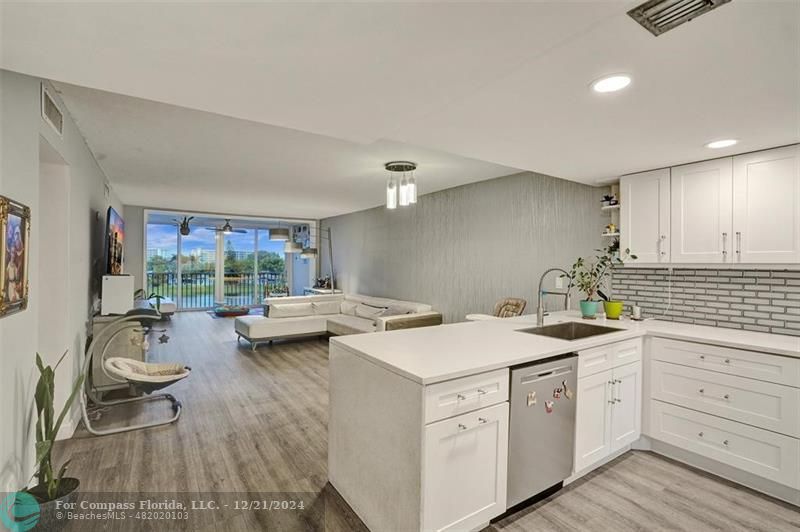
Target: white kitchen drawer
769,455
751,364
597,359
458,396
762,404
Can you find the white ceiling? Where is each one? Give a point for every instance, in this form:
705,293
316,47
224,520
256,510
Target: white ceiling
501,82
170,157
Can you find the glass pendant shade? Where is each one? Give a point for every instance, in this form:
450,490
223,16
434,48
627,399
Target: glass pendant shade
308,253
292,247
404,192
391,194
279,233
412,190
401,188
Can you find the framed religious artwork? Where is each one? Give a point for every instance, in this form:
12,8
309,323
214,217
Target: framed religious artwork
15,232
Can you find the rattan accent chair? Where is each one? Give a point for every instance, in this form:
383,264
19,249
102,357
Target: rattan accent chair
509,307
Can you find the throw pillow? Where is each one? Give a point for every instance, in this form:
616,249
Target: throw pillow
290,310
369,312
326,307
348,308
395,311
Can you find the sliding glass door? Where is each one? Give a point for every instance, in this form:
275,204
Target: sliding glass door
162,260
215,264
198,278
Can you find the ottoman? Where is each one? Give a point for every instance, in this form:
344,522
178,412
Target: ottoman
259,330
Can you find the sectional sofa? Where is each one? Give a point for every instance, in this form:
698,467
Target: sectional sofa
337,314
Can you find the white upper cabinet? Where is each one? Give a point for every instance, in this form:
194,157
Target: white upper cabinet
645,212
702,195
766,206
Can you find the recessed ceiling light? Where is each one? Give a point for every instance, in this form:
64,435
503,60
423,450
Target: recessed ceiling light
717,144
613,83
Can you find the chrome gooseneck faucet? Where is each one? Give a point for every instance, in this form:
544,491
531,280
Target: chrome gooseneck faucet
540,313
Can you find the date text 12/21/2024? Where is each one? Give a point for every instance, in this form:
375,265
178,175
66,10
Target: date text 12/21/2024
268,505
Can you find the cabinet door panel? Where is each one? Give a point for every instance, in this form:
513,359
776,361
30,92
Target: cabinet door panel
593,419
644,225
766,206
701,197
465,469
626,412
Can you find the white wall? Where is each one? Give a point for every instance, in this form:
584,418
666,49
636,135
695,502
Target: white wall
21,127
463,248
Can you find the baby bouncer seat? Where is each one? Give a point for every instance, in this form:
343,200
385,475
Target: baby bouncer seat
145,377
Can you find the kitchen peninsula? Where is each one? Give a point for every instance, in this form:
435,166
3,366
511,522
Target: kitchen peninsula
419,419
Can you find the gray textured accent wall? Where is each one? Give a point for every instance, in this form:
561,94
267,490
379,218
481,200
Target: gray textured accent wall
755,300
463,248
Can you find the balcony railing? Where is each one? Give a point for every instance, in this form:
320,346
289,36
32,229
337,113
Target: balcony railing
197,289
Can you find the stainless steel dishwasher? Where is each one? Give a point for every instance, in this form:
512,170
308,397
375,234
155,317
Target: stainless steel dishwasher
542,426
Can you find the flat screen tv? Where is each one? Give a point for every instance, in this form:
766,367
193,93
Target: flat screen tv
115,235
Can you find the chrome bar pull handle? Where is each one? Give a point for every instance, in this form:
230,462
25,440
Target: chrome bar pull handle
482,420
702,390
461,397
739,246
462,426
724,247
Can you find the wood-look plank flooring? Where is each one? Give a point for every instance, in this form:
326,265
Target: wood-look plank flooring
255,427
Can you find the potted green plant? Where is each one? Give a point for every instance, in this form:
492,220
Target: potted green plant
52,485
589,276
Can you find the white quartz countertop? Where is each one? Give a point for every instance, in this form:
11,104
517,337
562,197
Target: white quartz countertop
429,355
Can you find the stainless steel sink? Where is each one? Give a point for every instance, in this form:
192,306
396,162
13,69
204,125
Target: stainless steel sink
570,330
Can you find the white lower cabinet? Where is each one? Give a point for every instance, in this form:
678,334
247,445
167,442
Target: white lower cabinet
593,420
609,413
737,407
764,453
465,463
626,412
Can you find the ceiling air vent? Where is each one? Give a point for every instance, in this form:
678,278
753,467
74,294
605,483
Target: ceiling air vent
51,113
660,16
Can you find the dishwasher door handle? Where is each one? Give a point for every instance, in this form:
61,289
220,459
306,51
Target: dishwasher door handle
555,372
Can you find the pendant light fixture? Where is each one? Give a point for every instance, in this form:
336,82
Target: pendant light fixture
308,253
401,190
279,233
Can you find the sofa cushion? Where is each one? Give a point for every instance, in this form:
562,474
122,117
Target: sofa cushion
326,307
395,310
343,324
369,312
256,327
291,310
348,308
408,306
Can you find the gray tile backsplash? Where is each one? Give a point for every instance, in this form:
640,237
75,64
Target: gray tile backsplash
754,300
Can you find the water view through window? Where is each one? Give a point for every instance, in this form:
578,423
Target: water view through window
251,266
